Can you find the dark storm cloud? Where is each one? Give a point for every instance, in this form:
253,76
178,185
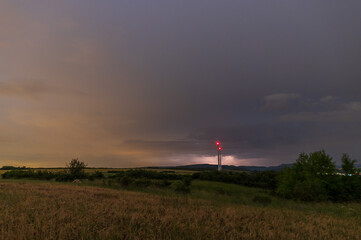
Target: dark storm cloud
284,137
279,101
250,136
269,78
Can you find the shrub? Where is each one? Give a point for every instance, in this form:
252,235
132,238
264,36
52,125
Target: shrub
142,182
180,187
187,180
11,168
310,190
266,179
125,181
64,177
98,174
95,175
165,183
41,175
140,173
162,183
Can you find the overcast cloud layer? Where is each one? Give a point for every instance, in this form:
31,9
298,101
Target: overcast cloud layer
139,83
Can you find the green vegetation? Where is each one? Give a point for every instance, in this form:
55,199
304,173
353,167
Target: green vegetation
266,179
41,175
76,169
310,200
11,168
348,165
314,178
140,173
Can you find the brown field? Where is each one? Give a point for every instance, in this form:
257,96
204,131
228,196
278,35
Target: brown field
65,211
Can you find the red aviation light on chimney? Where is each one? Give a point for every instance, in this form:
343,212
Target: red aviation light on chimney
218,144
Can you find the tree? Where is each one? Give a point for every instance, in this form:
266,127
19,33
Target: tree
348,165
308,177
76,168
316,164
352,180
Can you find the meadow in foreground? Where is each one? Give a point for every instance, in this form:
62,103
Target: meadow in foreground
40,210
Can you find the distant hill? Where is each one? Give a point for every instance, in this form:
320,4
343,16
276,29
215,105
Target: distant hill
228,167
240,168
357,165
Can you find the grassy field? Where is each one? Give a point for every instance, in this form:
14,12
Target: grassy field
48,210
105,170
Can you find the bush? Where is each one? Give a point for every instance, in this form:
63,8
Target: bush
310,190
142,182
162,183
266,179
187,180
17,174
140,173
180,187
125,181
95,175
165,183
11,168
64,177
98,174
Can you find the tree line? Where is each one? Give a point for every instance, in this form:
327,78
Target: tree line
313,177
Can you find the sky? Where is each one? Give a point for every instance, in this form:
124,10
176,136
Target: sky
156,83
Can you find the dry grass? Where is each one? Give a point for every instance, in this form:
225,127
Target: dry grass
55,211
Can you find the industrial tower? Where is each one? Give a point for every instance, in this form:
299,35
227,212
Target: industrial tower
219,155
